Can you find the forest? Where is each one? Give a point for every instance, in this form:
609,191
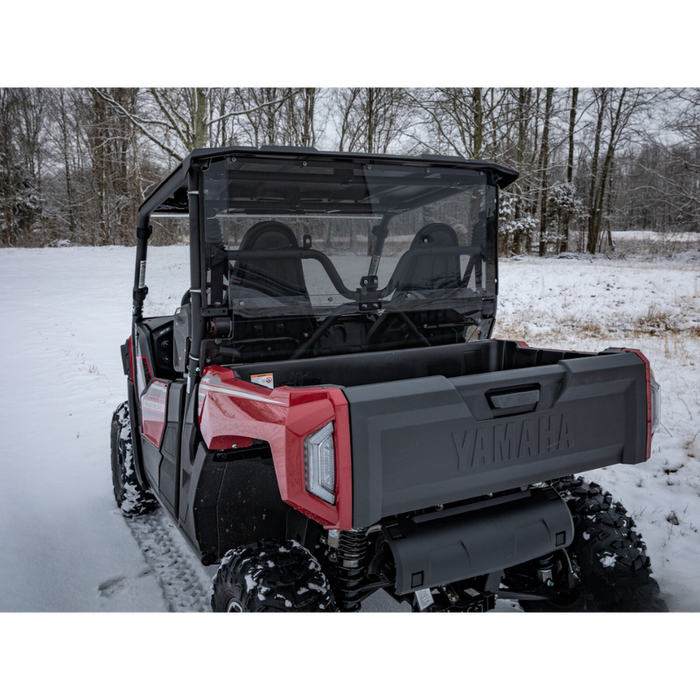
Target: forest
76,162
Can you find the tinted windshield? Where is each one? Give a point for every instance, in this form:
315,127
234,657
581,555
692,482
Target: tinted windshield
311,239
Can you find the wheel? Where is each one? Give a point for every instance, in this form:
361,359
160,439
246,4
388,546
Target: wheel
131,497
606,568
271,576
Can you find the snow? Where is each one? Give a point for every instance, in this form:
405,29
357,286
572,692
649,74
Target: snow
608,561
66,547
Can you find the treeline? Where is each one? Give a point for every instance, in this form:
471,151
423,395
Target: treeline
76,163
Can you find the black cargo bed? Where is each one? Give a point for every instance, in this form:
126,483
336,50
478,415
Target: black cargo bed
438,425
389,366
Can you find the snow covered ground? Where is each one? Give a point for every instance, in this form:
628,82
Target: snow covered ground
64,545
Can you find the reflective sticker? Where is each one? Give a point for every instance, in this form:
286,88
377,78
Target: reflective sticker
424,598
266,380
142,275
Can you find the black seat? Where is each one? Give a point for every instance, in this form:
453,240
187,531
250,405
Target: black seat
422,269
273,276
278,283
427,271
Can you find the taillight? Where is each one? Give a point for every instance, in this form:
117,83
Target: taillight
319,454
655,403
653,397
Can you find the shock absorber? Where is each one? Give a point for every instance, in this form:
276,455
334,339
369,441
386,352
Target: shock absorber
544,570
352,551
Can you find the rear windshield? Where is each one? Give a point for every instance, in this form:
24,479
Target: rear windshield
313,239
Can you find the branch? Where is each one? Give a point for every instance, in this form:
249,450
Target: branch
254,109
169,116
436,122
138,124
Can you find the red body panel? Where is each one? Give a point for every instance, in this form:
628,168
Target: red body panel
153,406
234,412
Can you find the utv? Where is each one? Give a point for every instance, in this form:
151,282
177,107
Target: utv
325,415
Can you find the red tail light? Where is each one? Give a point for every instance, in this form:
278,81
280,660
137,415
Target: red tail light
652,397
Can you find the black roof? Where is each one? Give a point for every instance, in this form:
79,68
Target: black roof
171,194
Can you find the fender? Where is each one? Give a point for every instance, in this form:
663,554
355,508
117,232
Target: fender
233,413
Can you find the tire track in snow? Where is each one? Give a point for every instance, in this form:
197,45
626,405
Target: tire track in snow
185,583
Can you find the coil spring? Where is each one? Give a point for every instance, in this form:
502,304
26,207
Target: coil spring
352,550
352,546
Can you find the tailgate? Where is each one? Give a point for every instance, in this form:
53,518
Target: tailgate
418,443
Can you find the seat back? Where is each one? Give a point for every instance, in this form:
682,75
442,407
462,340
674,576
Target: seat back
428,271
271,336
277,277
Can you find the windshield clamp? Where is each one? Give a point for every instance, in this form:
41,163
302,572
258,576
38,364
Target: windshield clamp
368,295
369,283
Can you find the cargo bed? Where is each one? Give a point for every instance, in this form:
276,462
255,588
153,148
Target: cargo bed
438,425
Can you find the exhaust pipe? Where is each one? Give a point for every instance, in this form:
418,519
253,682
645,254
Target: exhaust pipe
438,548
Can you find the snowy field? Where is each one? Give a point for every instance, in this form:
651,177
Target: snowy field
64,545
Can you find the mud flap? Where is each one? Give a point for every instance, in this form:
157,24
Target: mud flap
437,548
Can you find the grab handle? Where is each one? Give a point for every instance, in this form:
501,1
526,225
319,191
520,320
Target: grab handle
516,399
511,402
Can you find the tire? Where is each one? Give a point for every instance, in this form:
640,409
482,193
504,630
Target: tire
131,497
607,554
271,576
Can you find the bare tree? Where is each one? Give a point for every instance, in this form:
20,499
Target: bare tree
370,119
523,122
22,135
301,116
76,163
65,128
615,110
112,182
663,189
465,121
178,120
277,116
564,244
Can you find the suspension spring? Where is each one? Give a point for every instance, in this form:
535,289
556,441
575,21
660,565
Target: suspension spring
352,551
544,570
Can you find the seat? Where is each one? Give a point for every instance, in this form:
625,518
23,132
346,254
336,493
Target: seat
427,271
273,276
272,282
421,269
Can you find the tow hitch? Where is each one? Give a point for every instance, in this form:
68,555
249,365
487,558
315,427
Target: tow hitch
456,597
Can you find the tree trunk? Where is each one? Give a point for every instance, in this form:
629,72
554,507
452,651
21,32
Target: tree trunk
564,246
521,115
201,130
592,242
478,114
63,125
544,165
599,200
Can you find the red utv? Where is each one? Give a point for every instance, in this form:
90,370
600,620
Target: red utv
325,414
